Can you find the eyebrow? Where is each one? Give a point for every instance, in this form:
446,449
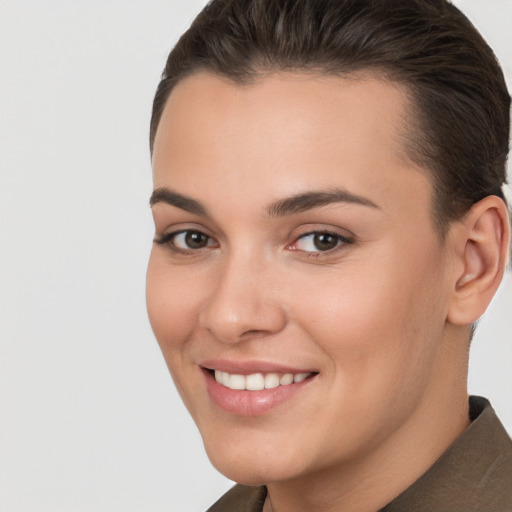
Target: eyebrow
288,206
164,195
315,199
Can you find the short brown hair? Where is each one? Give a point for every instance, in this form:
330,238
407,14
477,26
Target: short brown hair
461,102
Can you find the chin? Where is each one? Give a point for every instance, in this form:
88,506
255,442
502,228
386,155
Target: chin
248,474
253,465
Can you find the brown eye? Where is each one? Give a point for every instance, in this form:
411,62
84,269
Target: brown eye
187,240
194,239
320,241
325,241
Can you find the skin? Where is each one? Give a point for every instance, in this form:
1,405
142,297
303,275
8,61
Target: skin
382,318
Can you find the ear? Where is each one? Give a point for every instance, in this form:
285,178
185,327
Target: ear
481,245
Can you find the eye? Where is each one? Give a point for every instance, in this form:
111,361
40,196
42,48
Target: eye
187,240
190,240
320,241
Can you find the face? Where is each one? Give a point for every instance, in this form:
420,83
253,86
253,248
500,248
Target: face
296,283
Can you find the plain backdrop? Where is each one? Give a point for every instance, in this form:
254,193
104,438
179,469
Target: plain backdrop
89,418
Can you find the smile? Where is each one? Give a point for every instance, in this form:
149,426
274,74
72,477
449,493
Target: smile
251,388
258,381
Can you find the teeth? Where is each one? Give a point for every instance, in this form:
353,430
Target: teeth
255,382
237,382
271,380
286,379
258,381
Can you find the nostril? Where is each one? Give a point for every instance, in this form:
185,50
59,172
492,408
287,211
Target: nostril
254,333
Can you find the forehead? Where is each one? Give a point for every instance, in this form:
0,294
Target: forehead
283,97
293,132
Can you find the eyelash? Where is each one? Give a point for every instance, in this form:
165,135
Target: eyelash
167,239
341,241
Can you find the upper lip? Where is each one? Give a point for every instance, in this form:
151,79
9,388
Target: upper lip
248,367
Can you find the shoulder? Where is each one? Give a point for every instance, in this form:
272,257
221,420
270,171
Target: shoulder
241,498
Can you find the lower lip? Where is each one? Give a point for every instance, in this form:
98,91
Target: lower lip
251,403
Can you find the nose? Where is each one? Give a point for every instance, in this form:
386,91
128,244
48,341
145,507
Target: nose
243,303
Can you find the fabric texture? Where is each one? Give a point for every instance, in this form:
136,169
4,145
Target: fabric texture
473,475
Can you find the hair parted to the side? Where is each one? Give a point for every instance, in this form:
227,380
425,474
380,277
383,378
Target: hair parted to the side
460,99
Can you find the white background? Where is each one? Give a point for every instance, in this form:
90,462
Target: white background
89,419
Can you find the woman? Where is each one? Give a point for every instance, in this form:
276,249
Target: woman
329,227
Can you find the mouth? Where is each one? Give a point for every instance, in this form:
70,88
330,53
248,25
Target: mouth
258,381
246,392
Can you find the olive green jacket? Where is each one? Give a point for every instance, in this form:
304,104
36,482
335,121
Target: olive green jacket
473,475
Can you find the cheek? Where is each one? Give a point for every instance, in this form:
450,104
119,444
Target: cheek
381,344
369,318
172,304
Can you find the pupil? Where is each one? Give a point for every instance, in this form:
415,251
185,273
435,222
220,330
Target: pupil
196,240
325,241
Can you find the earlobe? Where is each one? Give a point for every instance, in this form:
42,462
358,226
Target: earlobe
483,240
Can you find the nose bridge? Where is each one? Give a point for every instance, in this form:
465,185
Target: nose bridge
243,301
